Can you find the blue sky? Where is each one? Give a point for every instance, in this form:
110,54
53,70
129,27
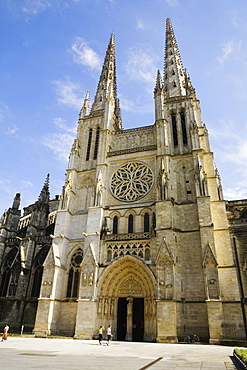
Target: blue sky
51,53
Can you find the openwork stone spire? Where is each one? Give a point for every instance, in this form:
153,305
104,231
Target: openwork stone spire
174,75
107,87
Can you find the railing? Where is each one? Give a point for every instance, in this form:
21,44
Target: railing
129,236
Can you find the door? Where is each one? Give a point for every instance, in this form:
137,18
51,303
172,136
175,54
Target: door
138,320
121,318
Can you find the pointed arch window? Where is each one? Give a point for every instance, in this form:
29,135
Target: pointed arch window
130,224
115,225
183,126
11,272
74,274
38,271
89,144
96,143
174,130
146,222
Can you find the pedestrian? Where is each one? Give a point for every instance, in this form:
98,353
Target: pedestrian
101,328
109,334
5,333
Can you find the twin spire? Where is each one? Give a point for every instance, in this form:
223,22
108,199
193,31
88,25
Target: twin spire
107,86
176,79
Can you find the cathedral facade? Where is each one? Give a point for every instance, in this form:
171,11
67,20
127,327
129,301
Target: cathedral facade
141,237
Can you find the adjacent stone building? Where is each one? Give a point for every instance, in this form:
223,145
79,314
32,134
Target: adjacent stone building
141,239
24,244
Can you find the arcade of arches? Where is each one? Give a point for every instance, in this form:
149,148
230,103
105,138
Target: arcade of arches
127,300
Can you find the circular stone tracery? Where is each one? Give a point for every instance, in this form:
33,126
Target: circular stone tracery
132,181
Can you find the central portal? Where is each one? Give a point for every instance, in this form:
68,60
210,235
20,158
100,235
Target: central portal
130,319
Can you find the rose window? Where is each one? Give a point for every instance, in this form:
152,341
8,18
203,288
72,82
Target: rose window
131,181
77,258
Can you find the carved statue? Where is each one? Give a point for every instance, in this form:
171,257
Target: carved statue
84,279
162,182
91,279
106,307
99,189
100,306
201,179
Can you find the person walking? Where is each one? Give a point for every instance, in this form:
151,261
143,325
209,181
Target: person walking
109,334
5,333
101,328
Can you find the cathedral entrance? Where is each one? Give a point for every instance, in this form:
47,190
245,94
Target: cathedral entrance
130,319
127,300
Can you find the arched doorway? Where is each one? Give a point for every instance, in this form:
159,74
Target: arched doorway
127,300
135,319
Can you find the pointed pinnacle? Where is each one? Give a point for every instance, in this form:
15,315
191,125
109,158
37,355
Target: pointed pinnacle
158,85
45,194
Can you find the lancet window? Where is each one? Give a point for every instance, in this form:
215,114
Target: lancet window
89,144
74,274
174,130
183,126
130,224
96,145
115,225
10,274
38,271
146,222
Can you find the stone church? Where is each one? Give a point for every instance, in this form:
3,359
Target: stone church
141,237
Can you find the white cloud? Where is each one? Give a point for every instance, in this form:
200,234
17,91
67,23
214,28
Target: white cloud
84,54
33,7
139,24
134,106
3,111
60,144
5,186
62,124
229,50
172,2
141,65
238,192
11,130
26,184
68,93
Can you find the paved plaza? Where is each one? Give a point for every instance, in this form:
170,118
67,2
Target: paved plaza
37,353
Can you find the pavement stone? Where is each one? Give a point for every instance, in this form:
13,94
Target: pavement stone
40,353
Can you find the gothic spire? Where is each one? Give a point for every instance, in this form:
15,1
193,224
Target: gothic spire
174,75
107,86
158,85
45,194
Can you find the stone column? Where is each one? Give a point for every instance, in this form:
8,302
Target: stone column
215,318
129,319
85,319
166,322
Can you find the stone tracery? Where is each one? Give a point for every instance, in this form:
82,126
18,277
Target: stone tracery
131,181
